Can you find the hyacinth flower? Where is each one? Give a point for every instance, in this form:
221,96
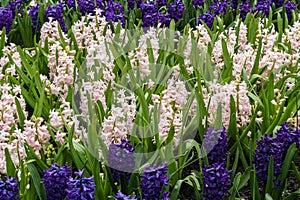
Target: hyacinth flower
216,146
176,10
70,4
150,13
219,7
289,8
6,19
9,189
55,181
121,160
198,3
208,18
56,12
121,196
86,6
275,147
278,3
80,188
33,13
152,181
114,12
245,8
216,180
264,7
15,6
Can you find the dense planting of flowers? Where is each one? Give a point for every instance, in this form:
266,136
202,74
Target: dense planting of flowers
136,99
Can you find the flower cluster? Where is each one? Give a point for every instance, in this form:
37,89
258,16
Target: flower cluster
121,159
33,13
208,18
152,181
56,181
56,13
120,122
216,181
86,6
275,147
80,188
216,146
220,94
6,18
114,12
9,189
171,105
176,10
60,184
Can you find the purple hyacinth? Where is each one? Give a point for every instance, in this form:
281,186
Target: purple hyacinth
33,13
278,3
198,3
216,180
219,7
264,7
161,3
55,181
15,6
9,189
80,188
207,18
56,12
70,4
152,181
176,10
215,142
287,136
114,12
86,6
289,8
150,13
121,196
165,19
245,8
6,18
121,160
275,147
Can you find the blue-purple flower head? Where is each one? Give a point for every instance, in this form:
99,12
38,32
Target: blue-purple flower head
121,159
55,181
198,3
81,188
161,3
215,145
114,12
165,19
289,8
121,196
264,7
15,6
70,4
150,13
6,19
216,181
245,8
176,10
86,6
9,189
219,7
208,18
152,181
275,147
278,3
33,13
56,12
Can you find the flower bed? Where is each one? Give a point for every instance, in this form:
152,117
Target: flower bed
146,100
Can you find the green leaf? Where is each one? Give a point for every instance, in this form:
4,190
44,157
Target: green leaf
36,181
10,167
